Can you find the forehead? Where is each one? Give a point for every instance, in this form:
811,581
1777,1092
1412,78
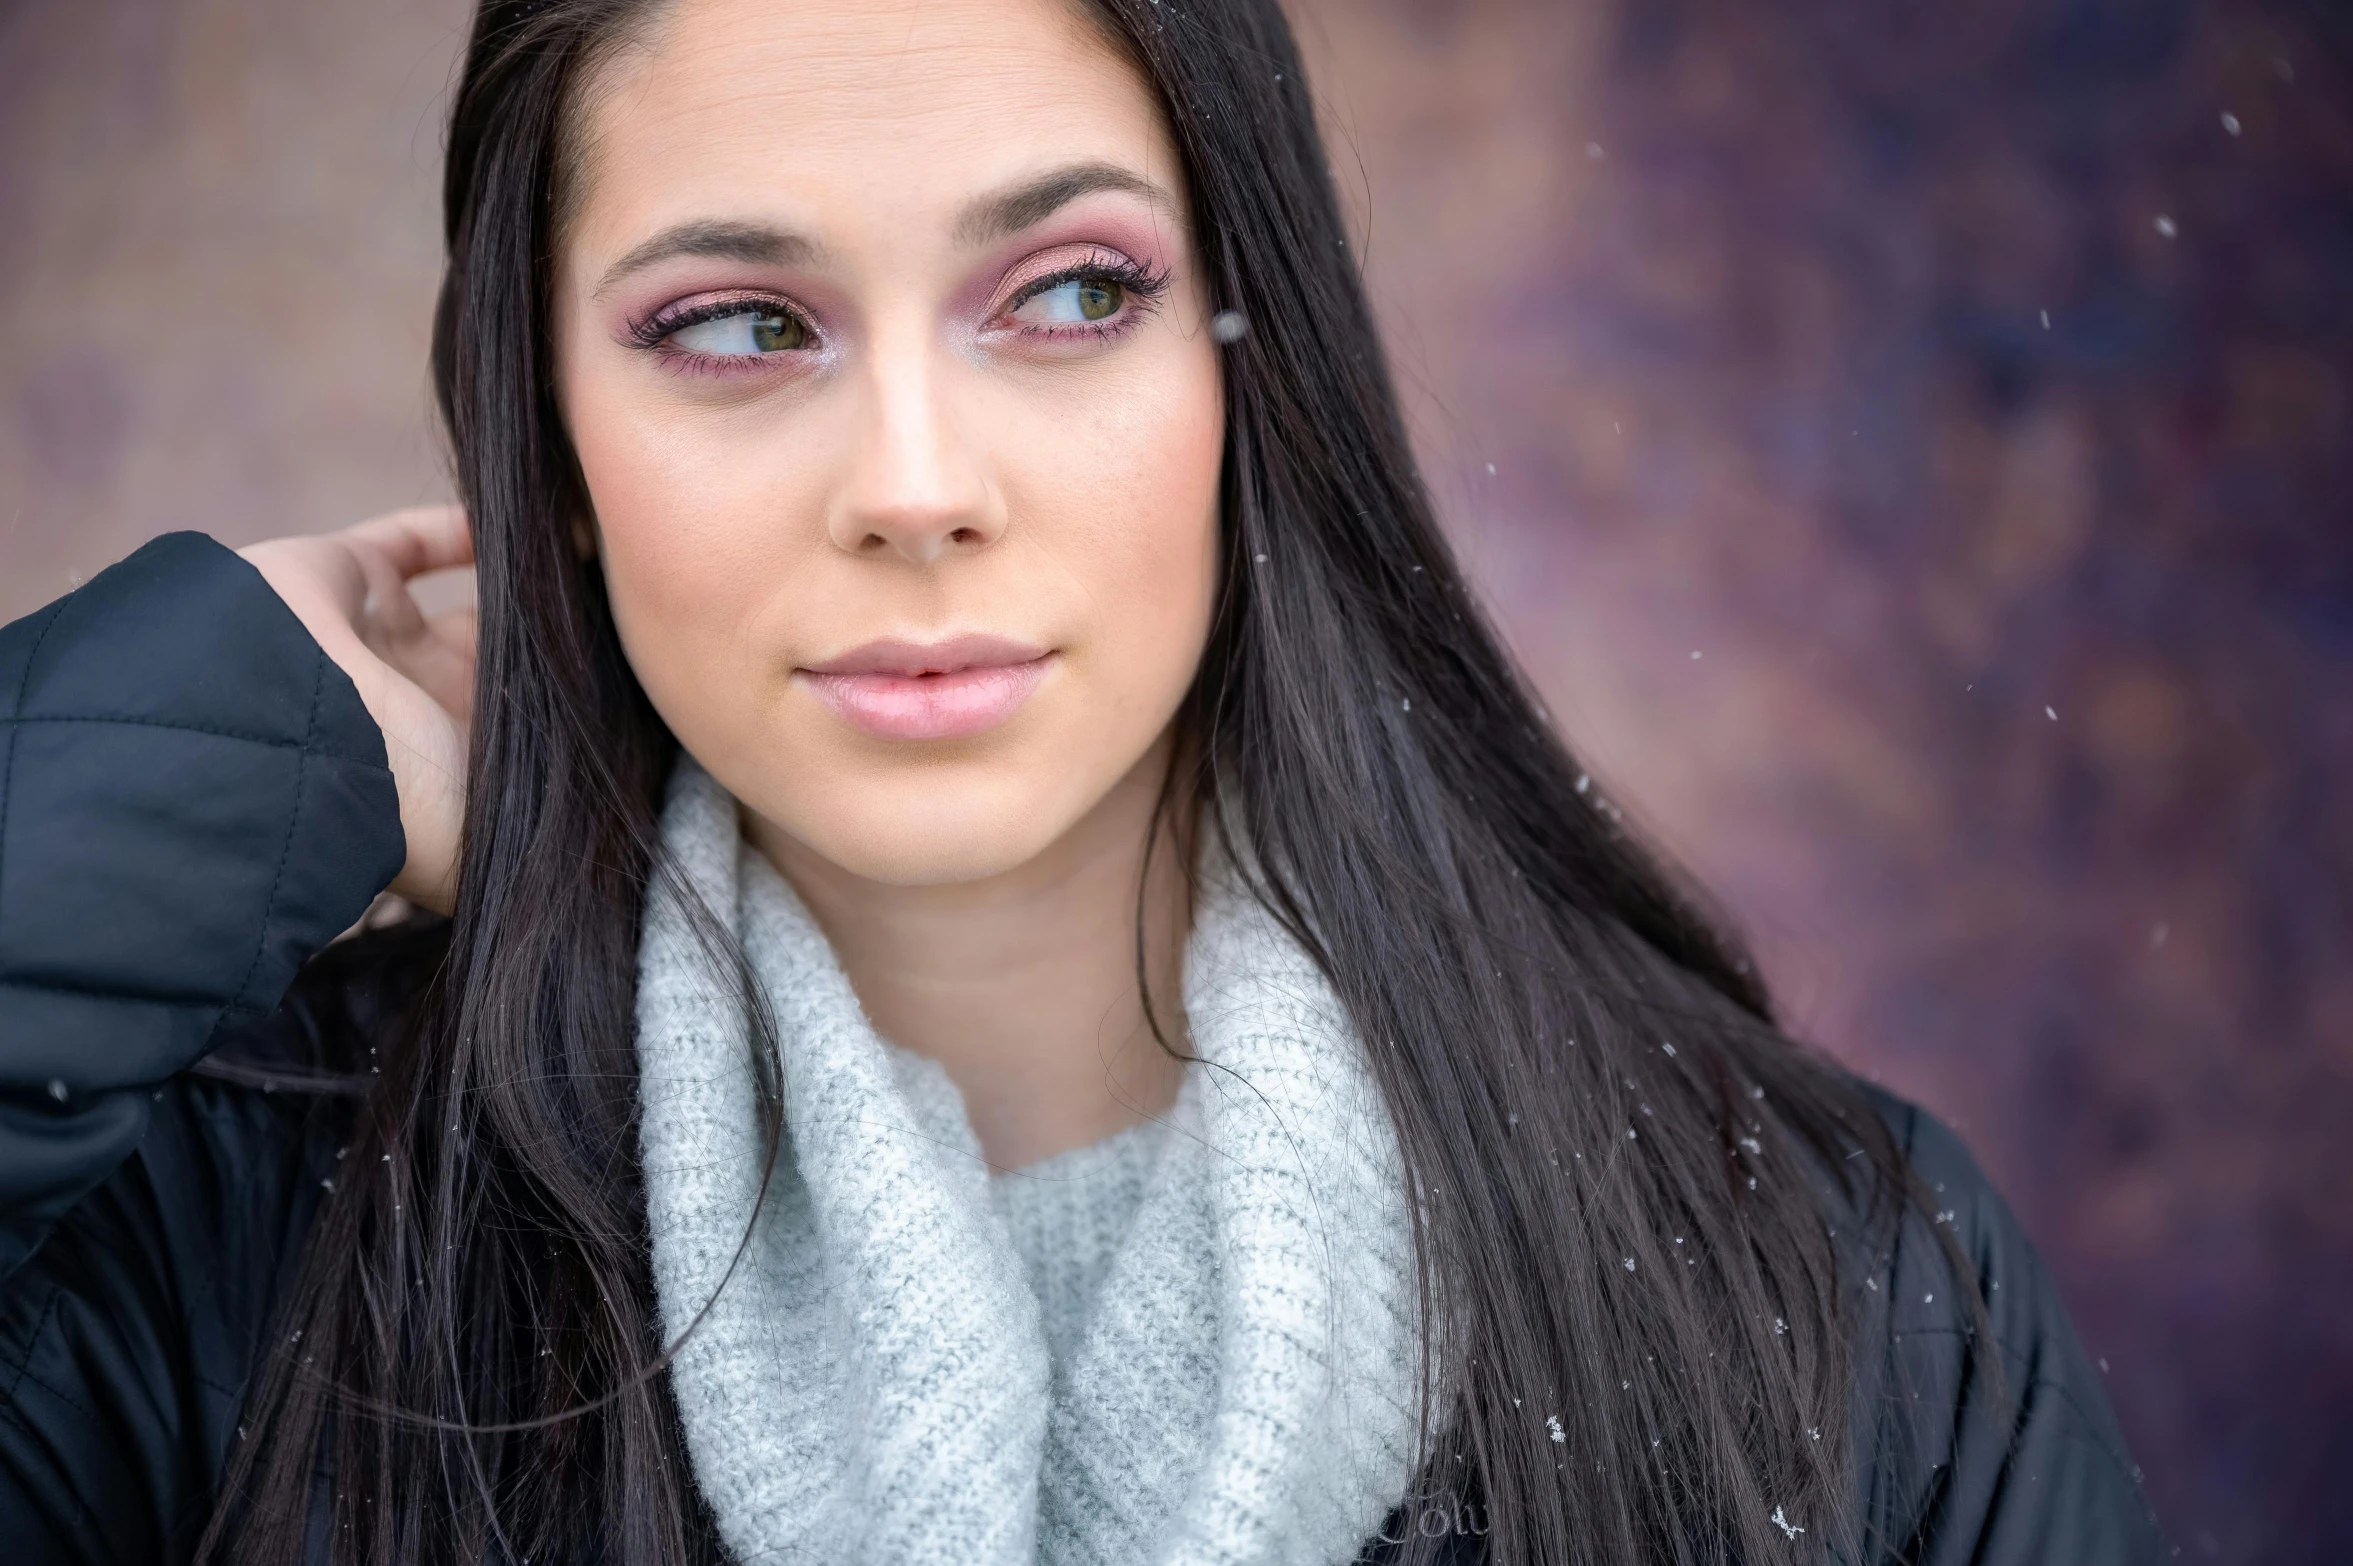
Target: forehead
834,114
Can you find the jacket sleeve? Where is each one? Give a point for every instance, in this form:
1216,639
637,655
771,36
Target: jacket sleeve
1984,1443
193,799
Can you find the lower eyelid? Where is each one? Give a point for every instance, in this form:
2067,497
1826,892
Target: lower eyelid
749,366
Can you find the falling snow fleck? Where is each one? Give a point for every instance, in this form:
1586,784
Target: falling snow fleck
1260,559
2230,122
2051,713
2158,934
1583,782
1560,1437
2167,226
1695,655
1629,1264
2046,320
1408,704
1593,150
1491,470
1229,326
1784,1524
57,1089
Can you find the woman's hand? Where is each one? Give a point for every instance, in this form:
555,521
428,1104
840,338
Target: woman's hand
415,671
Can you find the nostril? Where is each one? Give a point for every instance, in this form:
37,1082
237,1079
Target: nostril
962,535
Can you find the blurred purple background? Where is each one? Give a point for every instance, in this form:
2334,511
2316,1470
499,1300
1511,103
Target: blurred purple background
1912,446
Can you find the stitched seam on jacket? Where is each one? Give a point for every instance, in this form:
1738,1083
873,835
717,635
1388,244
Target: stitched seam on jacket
84,1520
261,940
18,981
2083,1429
24,683
40,1325
307,743
2086,1427
27,1378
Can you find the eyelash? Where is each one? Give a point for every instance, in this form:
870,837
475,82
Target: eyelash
1144,285
655,331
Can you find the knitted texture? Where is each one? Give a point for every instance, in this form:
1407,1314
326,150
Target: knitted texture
866,1373
1067,1216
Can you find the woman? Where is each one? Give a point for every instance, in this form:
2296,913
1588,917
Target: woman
1004,968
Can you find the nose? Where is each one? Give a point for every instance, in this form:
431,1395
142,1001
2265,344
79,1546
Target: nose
915,487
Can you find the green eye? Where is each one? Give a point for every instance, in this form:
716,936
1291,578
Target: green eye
745,333
1088,299
776,332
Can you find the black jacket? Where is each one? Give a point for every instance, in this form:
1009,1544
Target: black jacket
194,803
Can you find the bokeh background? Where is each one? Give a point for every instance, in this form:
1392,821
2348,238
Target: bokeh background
1911,446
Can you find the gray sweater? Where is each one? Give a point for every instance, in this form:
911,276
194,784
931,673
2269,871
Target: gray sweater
1067,1216
1192,1343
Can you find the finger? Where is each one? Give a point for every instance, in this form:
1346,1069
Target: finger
458,629
416,540
444,666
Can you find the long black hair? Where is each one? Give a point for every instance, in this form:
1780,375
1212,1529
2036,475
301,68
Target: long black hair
1626,1177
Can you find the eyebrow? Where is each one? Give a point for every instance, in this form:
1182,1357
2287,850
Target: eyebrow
755,243
1033,201
990,217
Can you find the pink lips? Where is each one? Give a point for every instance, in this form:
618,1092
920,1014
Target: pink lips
939,690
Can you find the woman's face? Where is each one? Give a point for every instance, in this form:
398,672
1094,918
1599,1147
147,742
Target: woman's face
881,339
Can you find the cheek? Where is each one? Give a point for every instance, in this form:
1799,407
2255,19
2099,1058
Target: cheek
1142,540
691,541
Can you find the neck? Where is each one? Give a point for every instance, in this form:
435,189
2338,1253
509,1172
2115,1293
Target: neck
1023,985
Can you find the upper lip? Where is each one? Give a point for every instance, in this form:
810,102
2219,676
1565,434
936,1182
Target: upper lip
910,659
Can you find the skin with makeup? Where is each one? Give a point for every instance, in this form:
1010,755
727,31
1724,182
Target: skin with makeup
905,495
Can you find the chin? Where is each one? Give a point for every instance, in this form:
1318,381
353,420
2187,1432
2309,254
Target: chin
934,854
926,829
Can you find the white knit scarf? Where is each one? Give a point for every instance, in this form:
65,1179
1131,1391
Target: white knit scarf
872,1383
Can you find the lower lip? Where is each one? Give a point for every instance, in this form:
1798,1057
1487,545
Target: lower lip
929,706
